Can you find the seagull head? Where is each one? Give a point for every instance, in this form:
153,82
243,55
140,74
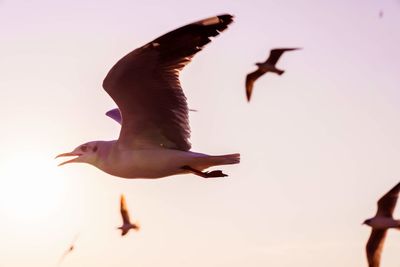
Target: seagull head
367,222
85,153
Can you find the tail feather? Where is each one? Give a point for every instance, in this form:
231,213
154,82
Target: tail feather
226,159
206,161
136,226
280,72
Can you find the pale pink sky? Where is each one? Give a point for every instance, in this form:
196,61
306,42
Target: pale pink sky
319,144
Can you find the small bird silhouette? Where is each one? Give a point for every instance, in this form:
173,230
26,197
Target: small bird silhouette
267,66
69,250
126,223
381,14
382,221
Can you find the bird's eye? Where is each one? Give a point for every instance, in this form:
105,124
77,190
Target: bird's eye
94,149
84,148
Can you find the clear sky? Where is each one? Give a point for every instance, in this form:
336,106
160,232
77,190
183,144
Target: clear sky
319,145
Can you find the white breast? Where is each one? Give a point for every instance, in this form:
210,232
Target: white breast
147,163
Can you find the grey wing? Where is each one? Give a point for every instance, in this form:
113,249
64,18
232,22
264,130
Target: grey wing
124,211
374,247
387,203
145,85
250,79
275,54
115,114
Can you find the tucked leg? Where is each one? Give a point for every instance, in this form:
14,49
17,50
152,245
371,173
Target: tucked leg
212,174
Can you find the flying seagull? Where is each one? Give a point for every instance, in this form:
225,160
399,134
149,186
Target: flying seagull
126,223
153,141
267,66
69,250
382,221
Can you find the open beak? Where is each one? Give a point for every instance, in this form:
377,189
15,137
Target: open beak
70,154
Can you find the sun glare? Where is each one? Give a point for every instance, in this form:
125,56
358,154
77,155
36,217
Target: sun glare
30,187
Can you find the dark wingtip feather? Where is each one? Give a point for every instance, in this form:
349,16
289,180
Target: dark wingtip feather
190,39
248,97
226,18
249,89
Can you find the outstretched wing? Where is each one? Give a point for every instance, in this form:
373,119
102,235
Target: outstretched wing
387,203
275,54
124,211
374,247
145,85
250,79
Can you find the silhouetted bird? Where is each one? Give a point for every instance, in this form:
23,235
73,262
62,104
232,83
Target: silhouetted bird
382,221
69,250
267,66
153,141
126,223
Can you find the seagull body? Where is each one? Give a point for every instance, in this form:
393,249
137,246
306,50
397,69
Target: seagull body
382,221
267,66
152,110
153,163
126,223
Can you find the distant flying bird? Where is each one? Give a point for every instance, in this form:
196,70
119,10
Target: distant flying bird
69,250
267,66
153,141
381,14
126,223
382,221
